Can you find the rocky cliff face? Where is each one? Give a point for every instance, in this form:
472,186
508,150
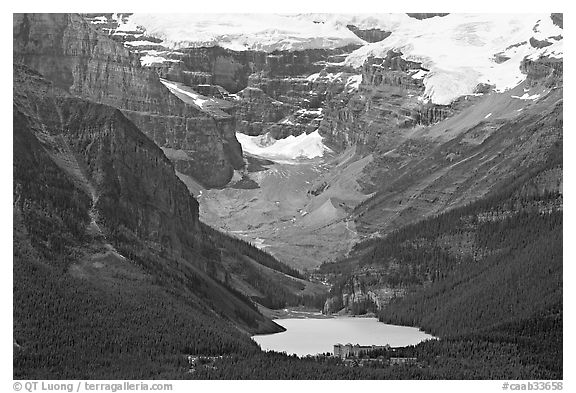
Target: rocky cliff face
548,71
360,294
558,19
286,106
135,220
258,111
426,15
131,183
284,93
231,69
387,102
82,61
369,35
270,86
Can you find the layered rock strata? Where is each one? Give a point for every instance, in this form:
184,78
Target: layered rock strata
77,58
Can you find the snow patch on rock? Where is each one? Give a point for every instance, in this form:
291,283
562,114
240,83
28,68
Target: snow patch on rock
303,146
325,77
353,82
198,99
150,59
527,96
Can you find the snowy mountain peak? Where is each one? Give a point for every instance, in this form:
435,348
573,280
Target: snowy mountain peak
464,50
265,32
460,51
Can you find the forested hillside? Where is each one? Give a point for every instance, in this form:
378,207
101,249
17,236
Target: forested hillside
120,258
489,273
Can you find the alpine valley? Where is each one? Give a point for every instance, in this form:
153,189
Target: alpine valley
182,182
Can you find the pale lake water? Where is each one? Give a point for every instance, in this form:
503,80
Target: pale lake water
309,336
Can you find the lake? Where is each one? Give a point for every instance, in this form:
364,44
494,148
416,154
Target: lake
309,336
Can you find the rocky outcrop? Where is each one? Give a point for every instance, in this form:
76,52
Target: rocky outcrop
356,296
228,69
290,90
557,19
257,111
388,99
538,43
424,15
77,58
349,298
301,121
546,70
232,70
392,70
429,114
286,106
369,35
178,72
108,22
132,184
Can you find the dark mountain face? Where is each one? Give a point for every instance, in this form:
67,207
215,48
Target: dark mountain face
87,64
74,292
109,158
98,206
424,15
369,35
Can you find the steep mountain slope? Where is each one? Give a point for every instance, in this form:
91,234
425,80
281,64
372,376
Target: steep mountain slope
463,157
79,59
100,214
488,273
497,259
430,157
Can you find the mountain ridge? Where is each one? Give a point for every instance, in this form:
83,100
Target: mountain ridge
98,68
